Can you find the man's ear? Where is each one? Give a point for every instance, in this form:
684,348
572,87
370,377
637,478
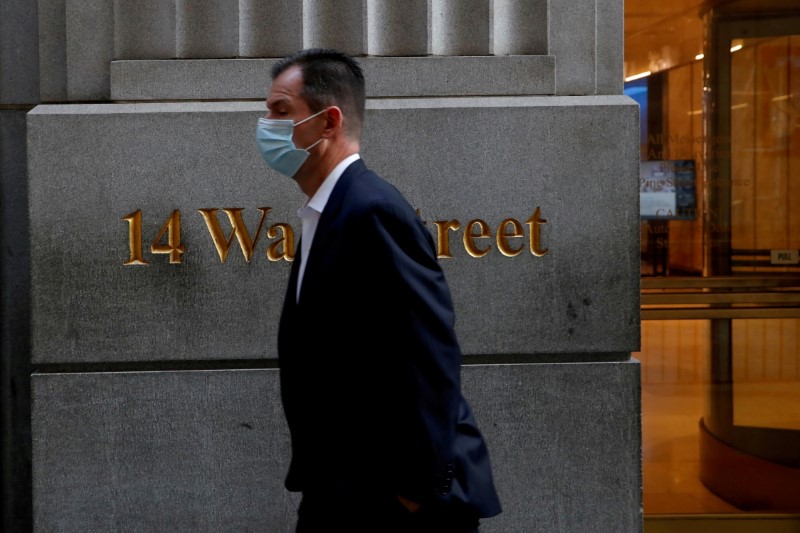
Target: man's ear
334,121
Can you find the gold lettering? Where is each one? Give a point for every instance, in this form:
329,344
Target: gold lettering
172,227
239,230
503,235
282,247
287,241
470,236
535,222
443,237
135,238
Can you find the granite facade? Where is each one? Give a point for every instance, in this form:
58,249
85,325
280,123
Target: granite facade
484,140
207,450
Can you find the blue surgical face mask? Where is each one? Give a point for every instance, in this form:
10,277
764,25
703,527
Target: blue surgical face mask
274,138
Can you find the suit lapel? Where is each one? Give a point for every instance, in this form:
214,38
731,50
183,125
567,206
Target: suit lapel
288,321
295,271
330,218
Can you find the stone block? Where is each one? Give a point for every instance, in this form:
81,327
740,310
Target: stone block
386,76
572,42
272,28
90,48
210,79
19,44
144,29
157,177
334,24
610,47
207,28
208,450
459,75
53,50
92,165
160,451
550,153
565,444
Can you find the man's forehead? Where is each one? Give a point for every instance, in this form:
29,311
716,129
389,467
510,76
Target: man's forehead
286,87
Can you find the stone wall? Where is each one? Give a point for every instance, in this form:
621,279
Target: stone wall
154,387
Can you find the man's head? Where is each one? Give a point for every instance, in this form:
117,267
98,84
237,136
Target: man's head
329,78
319,94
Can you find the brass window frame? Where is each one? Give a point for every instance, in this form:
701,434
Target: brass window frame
733,297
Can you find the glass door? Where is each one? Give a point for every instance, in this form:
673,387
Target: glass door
720,273
750,431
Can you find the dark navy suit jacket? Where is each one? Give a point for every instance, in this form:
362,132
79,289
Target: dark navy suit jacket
369,361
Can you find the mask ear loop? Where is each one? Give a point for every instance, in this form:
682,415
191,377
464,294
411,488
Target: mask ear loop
312,116
309,118
316,143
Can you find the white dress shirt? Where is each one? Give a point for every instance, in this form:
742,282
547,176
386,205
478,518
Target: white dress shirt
311,212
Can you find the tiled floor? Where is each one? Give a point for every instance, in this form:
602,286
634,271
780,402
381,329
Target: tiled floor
670,453
674,379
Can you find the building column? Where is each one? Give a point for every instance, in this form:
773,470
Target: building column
144,29
520,27
460,27
207,28
334,24
270,28
397,29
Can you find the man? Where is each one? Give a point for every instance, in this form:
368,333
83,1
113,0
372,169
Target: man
382,439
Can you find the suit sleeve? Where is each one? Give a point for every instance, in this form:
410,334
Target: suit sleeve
420,322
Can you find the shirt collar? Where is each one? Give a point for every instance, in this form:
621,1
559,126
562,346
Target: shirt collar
320,198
